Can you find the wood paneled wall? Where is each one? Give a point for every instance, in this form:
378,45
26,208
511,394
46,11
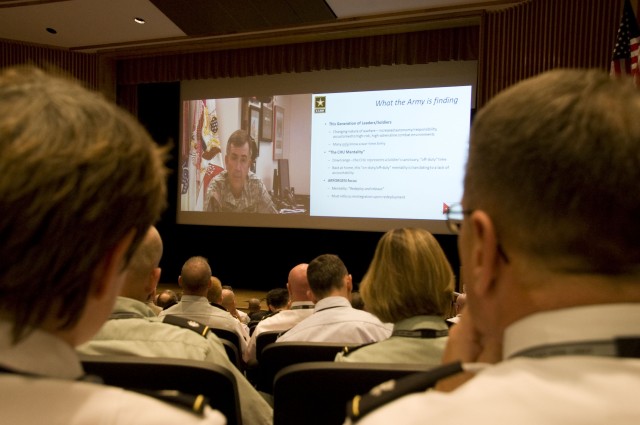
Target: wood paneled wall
538,35
82,66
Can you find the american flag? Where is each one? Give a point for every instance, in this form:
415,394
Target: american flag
625,54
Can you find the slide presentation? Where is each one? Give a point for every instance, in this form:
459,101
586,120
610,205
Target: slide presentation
388,154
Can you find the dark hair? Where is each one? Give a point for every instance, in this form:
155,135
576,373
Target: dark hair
238,139
278,297
326,272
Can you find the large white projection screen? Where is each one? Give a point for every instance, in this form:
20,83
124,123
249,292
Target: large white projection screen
361,149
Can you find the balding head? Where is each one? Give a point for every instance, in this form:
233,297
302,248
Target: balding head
228,299
143,272
298,285
195,278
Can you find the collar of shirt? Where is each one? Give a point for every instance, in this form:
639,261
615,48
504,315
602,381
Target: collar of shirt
421,322
301,304
129,305
194,299
331,302
40,353
576,324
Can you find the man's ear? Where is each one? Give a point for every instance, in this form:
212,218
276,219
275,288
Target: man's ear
154,278
349,283
112,265
484,252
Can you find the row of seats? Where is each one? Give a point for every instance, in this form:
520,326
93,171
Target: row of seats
311,393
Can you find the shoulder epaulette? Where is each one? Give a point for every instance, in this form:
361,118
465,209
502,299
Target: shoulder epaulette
348,350
394,389
192,325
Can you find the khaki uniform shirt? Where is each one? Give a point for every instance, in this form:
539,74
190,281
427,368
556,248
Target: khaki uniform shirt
147,336
53,394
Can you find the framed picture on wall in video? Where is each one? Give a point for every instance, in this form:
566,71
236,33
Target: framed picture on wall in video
266,123
278,132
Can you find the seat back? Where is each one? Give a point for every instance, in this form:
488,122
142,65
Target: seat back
264,339
318,392
230,336
277,355
191,377
232,353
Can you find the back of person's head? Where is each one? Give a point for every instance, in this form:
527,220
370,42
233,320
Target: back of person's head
78,176
408,276
214,294
238,139
298,284
356,301
253,305
278,298
326,273
555,162
143,272
228,299
195,277
166,299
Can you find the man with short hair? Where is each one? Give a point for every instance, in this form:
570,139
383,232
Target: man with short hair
214,294
333,318
237,189
548,238
81,183
229,302
195,280
133,329
166,299
300,306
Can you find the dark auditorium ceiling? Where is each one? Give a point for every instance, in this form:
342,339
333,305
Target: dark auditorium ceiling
108,25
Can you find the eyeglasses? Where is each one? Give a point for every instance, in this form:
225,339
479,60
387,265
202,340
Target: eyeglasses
455,214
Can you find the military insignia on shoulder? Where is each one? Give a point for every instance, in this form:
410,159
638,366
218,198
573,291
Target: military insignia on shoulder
187,324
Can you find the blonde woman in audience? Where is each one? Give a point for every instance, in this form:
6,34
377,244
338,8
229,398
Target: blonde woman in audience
409,283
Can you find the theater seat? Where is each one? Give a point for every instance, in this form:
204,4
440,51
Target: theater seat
278,355
188,377
318,392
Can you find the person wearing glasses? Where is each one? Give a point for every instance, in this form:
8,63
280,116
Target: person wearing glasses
549,231
237,189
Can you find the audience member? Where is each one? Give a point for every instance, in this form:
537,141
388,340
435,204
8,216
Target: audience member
81,183
253,306
214,294
333,319
548,240
166,299
229,302
133,329
277,299
237,189
356,300
298,307
151,302
410,284
195,281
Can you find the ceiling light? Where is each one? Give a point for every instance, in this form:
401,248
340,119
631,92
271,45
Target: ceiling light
139,20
